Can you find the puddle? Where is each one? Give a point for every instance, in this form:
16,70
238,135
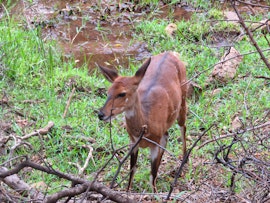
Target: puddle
98,31
93,32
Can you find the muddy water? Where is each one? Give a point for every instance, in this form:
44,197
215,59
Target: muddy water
100,33
92,32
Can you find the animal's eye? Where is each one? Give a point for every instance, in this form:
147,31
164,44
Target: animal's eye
123,94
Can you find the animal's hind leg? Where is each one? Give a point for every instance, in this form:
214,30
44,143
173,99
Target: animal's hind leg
182,123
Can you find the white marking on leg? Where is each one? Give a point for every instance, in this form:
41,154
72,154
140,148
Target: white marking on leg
154,153
151,180
163,141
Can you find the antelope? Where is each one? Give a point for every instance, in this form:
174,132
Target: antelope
156,97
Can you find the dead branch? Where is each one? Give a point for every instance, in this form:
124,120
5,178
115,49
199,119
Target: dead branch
262,77
235,133
41,131
21,114
225,160
249,33
71,192
106,164
68,102
28,101
82,184
21,187
20,140
89,156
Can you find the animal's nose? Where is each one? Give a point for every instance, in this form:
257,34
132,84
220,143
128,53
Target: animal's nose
100,115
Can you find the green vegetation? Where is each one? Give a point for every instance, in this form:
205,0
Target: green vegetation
34,69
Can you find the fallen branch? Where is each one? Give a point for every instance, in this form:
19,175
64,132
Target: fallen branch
238,166
82,184
87,139
41,131
21,187
33,101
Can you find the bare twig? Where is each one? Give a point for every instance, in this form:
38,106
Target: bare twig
249,33
143,130
251,4
234,133
184,161
68,102
106,164
112,146
33,101
22,115
225,161
262,77
84,138
163,148
198,74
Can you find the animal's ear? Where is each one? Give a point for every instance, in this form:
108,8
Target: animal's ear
140,73
109,74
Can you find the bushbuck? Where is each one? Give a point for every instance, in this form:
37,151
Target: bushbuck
154,97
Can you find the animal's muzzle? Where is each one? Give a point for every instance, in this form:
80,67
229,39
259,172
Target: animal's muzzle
101,115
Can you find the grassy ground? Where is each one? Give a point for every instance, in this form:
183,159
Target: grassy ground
33,69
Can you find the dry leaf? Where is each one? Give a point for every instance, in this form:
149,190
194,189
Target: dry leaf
118,45
22,122
170,29
40,185
193,89
216,91
236,124
232,16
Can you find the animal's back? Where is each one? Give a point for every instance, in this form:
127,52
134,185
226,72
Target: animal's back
160,90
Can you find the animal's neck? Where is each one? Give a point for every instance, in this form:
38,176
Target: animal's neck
134,117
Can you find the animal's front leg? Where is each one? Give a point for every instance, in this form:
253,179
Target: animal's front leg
133,166
156,156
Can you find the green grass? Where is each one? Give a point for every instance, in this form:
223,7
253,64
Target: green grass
33,69
245,95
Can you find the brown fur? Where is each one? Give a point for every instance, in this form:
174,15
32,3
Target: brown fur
155,97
